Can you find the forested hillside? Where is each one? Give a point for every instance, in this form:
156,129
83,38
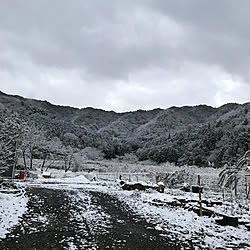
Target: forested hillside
199,135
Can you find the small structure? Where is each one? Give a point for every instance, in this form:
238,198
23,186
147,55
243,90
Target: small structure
21,174
196,188
46,175
160,187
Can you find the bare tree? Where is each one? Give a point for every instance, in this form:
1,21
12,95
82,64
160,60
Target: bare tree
68,157
32,139
229,176
50,149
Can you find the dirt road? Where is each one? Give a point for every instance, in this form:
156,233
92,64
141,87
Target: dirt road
81,219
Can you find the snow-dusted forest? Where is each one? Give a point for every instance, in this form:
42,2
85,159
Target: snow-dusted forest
200,135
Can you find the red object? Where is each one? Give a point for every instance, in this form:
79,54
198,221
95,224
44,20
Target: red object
22,174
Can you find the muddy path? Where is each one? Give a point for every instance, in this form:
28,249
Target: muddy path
80,219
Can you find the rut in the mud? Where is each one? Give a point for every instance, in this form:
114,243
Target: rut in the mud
128,231
46,225
53,222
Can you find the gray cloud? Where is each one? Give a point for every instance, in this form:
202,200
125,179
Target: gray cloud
126,55
219,31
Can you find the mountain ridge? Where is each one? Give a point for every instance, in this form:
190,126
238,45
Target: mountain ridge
123,112
197,135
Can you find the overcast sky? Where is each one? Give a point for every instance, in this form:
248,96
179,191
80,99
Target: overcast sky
126,55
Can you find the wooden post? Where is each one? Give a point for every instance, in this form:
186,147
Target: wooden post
235,186
199,184
246,186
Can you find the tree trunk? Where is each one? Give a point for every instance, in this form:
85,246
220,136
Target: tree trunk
235,186
69,163
15,163
44,160
24,159
51,162
31,160
65,163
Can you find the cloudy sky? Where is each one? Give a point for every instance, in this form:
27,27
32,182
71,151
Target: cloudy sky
126,55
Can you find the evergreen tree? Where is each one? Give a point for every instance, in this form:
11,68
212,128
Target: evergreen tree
9,134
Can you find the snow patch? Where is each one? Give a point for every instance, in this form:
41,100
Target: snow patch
12,207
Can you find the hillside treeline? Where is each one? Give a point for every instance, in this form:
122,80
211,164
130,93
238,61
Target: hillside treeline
200,135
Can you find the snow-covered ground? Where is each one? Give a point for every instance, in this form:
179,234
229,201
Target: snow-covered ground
90,214
184,224
12,207
176,222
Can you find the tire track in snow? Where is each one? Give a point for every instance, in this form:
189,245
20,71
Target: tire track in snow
82,219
